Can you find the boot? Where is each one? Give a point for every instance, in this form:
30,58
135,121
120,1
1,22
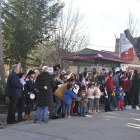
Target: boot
1,126
20,119
31,117
27,117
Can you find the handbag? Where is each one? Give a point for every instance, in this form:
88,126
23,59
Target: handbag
32,96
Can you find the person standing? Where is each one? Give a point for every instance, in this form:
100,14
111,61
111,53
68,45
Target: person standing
126,81
109,89
134,89
102,82
85,72
54,101
13,91
120,95
94,78
83,104
30,95
59,96
116,84
45,84
68,95
22,99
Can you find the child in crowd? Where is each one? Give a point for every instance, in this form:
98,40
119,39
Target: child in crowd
98,94
68,95
90,97
120,94
83,104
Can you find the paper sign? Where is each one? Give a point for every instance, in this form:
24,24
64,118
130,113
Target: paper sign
51,69
75,90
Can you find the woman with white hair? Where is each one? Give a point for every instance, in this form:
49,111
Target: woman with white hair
44,83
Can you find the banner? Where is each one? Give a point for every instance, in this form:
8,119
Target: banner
126,48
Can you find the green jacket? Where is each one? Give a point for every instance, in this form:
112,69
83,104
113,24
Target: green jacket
83,101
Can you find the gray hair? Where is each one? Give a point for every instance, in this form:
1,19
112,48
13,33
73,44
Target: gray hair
37,71
68,70
14,67
45,69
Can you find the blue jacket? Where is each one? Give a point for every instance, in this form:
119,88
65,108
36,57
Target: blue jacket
68,95
118,94
13,87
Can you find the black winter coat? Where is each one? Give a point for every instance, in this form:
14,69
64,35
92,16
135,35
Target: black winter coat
30,82
45,97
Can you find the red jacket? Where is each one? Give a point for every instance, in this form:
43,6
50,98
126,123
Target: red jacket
126,84
109,84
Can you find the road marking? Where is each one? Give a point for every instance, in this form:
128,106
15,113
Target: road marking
133,114
133,124
107,119
89,116
113,113
135,119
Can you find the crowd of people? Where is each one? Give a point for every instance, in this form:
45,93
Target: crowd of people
66,94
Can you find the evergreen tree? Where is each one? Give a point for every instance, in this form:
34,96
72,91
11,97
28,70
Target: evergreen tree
26,23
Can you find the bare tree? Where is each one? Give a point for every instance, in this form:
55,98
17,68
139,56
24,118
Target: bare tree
71,35
2,70
132,24
134,41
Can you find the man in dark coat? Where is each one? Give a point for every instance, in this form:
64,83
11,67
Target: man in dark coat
44,83
13,91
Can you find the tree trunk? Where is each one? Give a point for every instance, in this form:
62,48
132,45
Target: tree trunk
134,42
2,70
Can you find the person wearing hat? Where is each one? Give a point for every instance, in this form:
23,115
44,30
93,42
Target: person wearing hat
30,95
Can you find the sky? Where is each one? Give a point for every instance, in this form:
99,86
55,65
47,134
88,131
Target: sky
104,18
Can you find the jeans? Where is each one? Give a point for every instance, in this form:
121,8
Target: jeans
45,112
12,109
82,111
67,109
58,104
21,105
28,108
114,102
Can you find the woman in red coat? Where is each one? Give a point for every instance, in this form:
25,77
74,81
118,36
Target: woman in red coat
126,81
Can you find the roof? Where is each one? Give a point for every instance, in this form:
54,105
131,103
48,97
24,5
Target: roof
94,54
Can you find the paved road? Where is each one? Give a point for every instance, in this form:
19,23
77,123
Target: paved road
122,125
